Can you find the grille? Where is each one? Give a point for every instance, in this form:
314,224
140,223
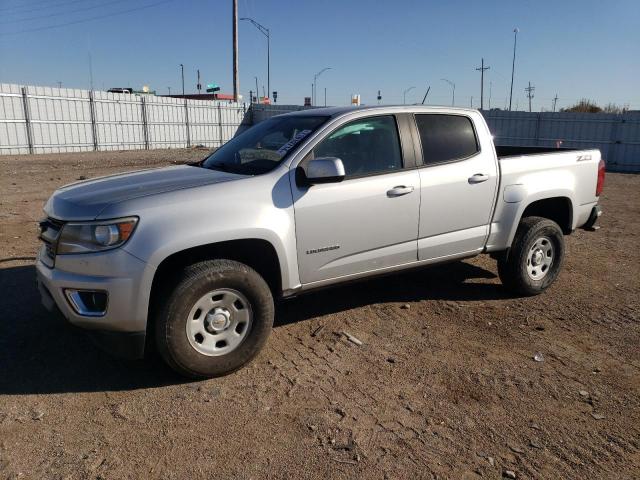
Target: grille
49,233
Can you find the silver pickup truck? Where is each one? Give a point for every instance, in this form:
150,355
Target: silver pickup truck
190,258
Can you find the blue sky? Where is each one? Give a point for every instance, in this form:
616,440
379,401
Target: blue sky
571,48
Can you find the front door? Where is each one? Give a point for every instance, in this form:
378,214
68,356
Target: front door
367,222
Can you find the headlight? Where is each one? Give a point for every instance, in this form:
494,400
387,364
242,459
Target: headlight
95,236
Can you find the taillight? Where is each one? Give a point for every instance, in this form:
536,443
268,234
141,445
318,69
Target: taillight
600,184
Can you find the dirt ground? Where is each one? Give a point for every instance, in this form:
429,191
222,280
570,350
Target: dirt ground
444,385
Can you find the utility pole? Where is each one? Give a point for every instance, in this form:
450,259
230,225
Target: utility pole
530,91
471,101
325,96
555,100
490,88
182,70
199,85
169,90
513,65
236,80
59,84
257,91
481,69
90,72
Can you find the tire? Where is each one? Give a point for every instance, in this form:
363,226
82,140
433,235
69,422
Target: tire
215,320
535,258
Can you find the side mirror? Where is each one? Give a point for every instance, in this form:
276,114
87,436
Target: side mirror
324,170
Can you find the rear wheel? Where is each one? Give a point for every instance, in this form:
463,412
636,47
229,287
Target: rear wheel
216,319
535,257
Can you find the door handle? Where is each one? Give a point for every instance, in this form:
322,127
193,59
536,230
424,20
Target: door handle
478,178
399,191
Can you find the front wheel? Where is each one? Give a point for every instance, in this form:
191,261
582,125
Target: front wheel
535,258
216,319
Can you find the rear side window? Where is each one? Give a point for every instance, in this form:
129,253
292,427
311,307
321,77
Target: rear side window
446,138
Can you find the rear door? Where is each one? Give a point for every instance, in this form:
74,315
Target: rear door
369,221
458,182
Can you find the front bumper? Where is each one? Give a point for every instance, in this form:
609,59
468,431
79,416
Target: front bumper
126,280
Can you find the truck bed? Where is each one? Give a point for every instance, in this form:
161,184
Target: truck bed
529,174
516,151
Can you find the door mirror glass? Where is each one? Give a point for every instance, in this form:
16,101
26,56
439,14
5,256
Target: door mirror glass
324,170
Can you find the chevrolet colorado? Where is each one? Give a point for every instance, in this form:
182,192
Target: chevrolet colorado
190,258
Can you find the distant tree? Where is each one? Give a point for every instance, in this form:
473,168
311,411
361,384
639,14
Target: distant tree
583,106
612,108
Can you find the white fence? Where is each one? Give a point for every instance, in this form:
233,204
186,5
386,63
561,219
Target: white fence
45,120
616,135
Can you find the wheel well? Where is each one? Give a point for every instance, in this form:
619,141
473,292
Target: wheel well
258,254
557,209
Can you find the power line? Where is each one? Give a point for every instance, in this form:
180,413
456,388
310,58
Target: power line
30,8
90,19
57,14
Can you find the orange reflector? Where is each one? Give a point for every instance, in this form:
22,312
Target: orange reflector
125,229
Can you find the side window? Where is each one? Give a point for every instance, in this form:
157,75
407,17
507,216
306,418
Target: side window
365,146
446,138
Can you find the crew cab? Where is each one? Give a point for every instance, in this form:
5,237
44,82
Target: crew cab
191,258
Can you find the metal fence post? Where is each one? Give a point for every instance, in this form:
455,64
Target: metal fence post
611,149
92,114
186,117
220,123
27,118
538,120
145,123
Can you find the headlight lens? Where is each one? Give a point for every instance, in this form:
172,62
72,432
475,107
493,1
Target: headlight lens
95,236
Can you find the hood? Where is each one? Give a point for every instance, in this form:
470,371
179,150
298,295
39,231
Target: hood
85,200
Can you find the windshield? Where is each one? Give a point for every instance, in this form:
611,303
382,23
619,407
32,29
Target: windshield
261,148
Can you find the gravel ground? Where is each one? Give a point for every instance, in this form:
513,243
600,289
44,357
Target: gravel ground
444,385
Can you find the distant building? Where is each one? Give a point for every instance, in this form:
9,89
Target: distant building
145,90
204,96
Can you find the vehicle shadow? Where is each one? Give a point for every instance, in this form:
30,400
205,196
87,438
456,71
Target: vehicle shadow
40,353
441,282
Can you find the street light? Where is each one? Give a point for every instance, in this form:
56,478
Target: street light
404,94
315,80
265,31
453,94
182,69
513,65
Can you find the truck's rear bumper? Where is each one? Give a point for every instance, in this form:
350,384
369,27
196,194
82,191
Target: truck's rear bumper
596,212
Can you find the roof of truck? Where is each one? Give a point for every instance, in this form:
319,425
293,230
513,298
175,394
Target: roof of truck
337,111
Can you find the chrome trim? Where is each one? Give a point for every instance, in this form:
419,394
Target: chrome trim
74,299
